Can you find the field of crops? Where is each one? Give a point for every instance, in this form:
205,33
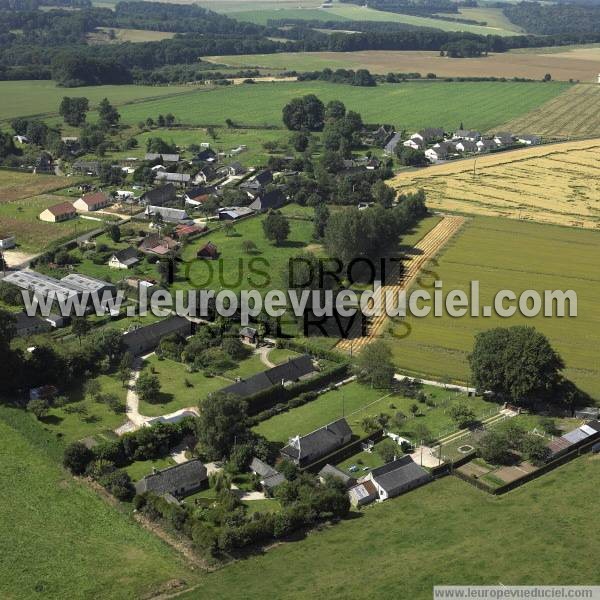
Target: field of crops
103,35
574,113
15,185
558,183
409,105
562,67
505,254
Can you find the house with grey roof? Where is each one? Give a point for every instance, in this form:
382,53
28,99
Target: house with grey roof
304,450
397,477
295,369
159,195
176,178
233,213
124,259
270,478
504,138
529,140
179,480
257,184
169,215
273,199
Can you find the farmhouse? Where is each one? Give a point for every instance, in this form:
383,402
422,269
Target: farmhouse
198,195
235,169
164,158
7,241
124,259
178,178
429,134
206,155
397,477
416,143
362,493
208,252
26,325
486,145
269,200
293,370
91,202
504,139
269,477
144,339
439,151
159,196
58,213
529,140
178,481
321,442
205,175
332,471
169,215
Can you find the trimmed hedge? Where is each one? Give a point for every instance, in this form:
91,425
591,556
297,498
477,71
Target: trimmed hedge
312,349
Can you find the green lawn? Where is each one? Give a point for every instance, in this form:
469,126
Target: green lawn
237,270
356,401
409,105
447,532
281,355
510,255
175,394
141,468
96,418
59,538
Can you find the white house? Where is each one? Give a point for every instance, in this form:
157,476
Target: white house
124,259
486,145
7,241
466,146
416,143
397,477
92,202
529,140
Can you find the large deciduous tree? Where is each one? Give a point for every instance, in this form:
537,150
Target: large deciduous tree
304,114
516,363
276,227
374,365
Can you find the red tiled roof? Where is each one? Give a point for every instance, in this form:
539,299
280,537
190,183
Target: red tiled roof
64,208
95,198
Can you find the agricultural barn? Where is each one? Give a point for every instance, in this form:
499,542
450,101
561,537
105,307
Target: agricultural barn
40,285
332,471
529,140
26,325
178,481
234,213
178,178
58,213
91,202
208,252
159,196
85,283
144,339
397,477
317,444
186,230
295,369
124,259
390,147
169,215
164,158
362,493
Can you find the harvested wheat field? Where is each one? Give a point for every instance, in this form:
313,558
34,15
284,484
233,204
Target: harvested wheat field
557,183
574,113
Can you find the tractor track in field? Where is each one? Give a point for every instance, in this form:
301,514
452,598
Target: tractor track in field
424,251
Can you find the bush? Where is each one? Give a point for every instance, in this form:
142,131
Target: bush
77,457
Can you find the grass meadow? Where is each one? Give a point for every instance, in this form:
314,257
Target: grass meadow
410,105
512,255
447,532
60,539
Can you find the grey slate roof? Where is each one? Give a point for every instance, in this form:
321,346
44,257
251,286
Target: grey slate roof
159,195
291,370
262,468
273,480
173,177
178,480
127,256
269,200
162,157
147,337
400,474
318,443
171,215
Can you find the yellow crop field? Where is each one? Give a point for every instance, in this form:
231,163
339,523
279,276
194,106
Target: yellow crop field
574,113
557,183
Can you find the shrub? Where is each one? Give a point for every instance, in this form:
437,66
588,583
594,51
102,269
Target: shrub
77,457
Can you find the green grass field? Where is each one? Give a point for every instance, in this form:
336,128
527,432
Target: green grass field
24,98
59,538
355,402
447,532
508,254
348,13
410,105
20,218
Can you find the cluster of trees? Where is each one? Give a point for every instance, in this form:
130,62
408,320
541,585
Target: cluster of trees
361,77
555,19
499,445
413,7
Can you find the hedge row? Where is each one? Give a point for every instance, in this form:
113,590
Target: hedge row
312,349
